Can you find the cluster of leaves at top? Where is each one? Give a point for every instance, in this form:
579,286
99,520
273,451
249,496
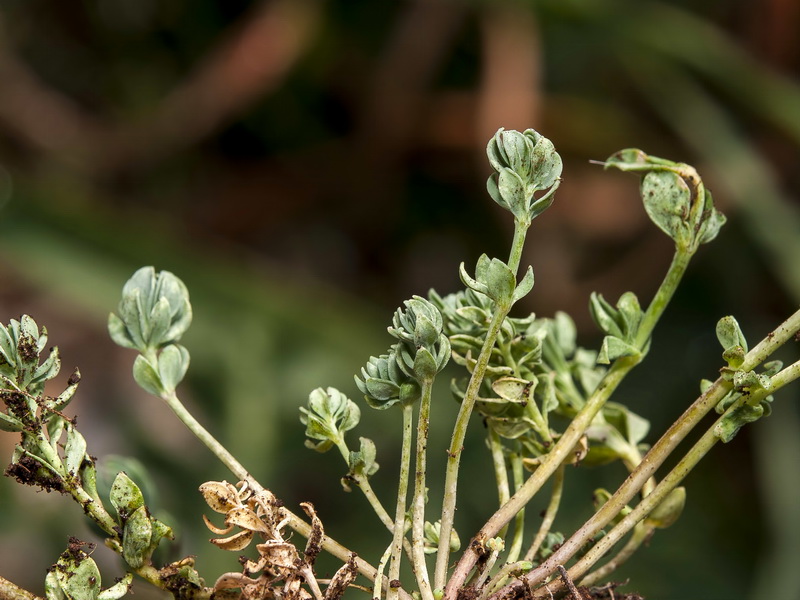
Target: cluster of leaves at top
521,372
535,369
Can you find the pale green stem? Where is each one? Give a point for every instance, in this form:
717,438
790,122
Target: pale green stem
487,569
418,500
366,488
376,589
505,350
517,244
633,460
540,421
95,510
646,506
234,466
641,533
549,514
465,411
457,445
565,445
519,520
680,261
402,495
500,470
560,452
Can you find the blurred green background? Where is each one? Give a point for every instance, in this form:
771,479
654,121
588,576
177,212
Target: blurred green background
305,166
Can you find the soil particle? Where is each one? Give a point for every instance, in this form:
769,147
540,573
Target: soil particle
606,592
26,348
27,471
467,592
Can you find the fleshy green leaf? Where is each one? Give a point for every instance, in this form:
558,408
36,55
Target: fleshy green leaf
524,286
614,348
7,347
362,462
147,377
425,367
158,322
78,576
118,590
52,589
471,283
512,389
512,190
9,423
731,423
670,509
160,531
173,362
48,369
59,403
125,495
74,451
136,537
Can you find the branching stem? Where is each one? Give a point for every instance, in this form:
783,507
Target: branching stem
565,445
366,488
653,459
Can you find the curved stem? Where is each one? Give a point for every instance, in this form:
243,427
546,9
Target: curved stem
680,261
550,513
500,469
366,488
646,506
652,460
619,369
641,533
376,589
519,520
560,452
457,445
517,244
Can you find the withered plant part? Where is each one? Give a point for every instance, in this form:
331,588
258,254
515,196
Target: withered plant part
284,573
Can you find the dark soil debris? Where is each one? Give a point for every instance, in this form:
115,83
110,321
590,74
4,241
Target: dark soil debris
606,592
467,592
28,472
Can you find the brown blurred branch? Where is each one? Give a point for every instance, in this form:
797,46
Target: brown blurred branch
414,54
248,62
41,117
509,94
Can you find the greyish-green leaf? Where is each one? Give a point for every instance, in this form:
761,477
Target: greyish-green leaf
136,537
147,376
125,495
